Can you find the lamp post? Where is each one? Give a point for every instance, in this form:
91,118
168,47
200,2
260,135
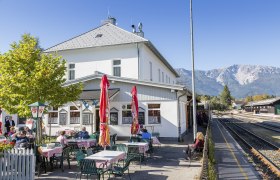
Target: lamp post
193,74
37,110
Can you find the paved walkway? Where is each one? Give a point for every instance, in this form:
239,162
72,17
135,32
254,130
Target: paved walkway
230,160
167,163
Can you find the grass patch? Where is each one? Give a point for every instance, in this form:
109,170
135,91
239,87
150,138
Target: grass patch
212,174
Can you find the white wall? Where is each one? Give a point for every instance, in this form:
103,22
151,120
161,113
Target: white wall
147,56
89,60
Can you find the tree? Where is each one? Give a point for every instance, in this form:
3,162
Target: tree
226,97
28,75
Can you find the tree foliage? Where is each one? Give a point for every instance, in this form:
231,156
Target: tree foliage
225,96
258,97
27,75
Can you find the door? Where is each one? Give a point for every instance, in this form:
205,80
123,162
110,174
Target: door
277,108
97,120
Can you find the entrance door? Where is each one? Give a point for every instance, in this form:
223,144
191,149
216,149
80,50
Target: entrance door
97,122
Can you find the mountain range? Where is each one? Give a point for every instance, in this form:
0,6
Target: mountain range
242,80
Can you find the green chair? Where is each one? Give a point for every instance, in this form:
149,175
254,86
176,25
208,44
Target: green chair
88,167
79,156
133,151
117,170
64,156
121,147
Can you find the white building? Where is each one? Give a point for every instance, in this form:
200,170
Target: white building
128,59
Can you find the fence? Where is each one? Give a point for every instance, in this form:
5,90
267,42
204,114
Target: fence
17,164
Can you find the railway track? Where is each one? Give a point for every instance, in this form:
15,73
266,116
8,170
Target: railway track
263,124
266,151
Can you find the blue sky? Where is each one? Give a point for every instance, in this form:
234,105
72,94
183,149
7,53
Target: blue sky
226,32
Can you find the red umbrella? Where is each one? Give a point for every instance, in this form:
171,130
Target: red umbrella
134,111
104,138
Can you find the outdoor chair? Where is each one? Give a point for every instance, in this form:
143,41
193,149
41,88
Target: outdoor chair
73,146
121,147
79,156
134,139
40,161
89,151
88,167
117,170
194,154
133,151
113,139
151,148
64,156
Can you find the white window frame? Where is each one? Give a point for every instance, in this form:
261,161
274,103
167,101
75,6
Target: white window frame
117,66
151,71
71,70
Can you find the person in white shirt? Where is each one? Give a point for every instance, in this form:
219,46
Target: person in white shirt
61,139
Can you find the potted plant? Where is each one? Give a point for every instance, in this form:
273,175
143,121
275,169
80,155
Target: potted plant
4,146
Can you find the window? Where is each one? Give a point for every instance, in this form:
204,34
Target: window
71,71
62,117
98,36
53,117
166,79
158,75
114,113
87,118
113,118
162,75
126,114
141,116
74,115
154,114
117,68
21,120
151,71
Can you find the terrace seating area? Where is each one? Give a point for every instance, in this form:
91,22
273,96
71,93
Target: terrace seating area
127,159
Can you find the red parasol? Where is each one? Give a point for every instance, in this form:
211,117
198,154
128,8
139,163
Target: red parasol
104,138
134,111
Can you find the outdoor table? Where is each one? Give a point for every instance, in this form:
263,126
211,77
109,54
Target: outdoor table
106,157
49,152
3,139
83,142
155,140
143,146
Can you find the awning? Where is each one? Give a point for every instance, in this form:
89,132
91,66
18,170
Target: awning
94,94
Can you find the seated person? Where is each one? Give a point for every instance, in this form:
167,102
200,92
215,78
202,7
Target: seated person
146,134
12,131
28,131
61,138
83,134
198,145
21,140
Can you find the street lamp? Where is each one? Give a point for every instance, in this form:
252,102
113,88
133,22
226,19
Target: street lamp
37,110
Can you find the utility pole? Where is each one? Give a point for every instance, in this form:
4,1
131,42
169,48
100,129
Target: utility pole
193,80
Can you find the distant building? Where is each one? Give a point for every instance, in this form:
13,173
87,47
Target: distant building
238,105
265,106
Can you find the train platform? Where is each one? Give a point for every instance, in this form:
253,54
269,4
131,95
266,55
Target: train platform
231,162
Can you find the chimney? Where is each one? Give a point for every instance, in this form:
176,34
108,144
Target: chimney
111,20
